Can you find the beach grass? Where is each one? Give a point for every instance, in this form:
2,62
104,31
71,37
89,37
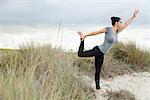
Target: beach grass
39,73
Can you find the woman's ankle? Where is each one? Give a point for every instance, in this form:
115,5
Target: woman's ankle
81,39
97,88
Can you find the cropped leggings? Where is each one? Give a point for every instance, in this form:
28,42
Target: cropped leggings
99,57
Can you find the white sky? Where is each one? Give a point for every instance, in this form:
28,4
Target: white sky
38,20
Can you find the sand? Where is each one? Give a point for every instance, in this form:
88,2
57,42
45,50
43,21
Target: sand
137,83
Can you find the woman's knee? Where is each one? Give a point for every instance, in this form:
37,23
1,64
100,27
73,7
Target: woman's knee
79,54
97,71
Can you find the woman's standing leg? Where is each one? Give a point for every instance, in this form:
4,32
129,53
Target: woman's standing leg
98,64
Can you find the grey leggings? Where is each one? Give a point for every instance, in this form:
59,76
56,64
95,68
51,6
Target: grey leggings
99,57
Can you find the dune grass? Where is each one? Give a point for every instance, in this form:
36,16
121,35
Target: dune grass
131,54
39,73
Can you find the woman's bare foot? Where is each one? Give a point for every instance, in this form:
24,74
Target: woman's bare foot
101,91
81,35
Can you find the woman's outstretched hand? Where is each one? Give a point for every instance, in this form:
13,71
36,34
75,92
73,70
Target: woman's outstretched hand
135,13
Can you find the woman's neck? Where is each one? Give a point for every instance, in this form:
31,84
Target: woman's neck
115,28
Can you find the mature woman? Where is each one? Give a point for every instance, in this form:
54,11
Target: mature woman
111,37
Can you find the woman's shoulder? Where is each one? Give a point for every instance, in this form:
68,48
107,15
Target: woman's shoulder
108,28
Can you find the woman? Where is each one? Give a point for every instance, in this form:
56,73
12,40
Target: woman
111,37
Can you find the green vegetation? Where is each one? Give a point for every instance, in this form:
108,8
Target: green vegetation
39,73
131,54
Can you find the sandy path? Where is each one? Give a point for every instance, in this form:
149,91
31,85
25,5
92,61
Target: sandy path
137,83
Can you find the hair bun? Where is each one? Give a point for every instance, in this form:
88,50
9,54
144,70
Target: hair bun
113,17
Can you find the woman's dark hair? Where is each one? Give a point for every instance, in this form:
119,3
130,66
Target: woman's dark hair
114,19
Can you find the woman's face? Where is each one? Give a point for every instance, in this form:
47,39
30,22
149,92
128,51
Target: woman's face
119,24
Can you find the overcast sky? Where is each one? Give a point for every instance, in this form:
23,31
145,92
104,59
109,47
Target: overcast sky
50,12
38,20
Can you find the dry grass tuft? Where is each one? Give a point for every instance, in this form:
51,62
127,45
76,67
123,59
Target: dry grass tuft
121,95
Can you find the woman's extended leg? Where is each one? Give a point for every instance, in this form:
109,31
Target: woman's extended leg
89,53
98,65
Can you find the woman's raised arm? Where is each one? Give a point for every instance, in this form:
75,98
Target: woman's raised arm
129,20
